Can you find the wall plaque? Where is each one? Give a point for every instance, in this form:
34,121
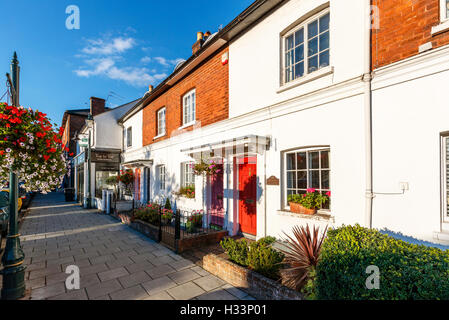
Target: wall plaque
273,181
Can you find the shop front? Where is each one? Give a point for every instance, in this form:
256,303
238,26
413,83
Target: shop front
106,164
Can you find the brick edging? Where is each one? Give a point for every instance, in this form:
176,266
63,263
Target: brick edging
252,282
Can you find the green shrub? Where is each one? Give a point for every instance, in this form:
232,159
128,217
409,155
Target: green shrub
407,271
257,256
237,250
264,259
167,204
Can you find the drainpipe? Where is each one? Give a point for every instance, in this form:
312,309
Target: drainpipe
367,77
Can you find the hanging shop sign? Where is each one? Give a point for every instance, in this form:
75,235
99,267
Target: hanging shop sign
104,156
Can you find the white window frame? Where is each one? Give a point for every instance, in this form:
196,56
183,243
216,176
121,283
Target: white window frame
187,176
303,25
161,175
129,137
444,177
285,170
161,132
191,116
444,16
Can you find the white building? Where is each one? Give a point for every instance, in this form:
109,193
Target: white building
305,111
106,145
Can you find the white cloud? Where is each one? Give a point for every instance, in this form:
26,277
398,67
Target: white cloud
109,46
107,67
166,62
106,57
162,61
145,60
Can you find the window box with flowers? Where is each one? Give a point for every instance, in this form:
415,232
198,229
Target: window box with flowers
187,192
308,203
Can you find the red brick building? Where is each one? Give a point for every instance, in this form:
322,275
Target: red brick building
210,82
404,26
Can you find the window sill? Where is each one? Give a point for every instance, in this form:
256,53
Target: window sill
321,215
307,78
159,136
442,27
187,125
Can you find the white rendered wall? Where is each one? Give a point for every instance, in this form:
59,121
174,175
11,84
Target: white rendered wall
136,123
410,110
254,58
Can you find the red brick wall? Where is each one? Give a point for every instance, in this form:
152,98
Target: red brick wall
404,26
211,81
73,123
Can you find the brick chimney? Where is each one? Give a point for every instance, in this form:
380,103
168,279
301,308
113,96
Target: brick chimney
96,105
199,42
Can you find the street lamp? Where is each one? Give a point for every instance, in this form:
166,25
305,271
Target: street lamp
90,124
13,257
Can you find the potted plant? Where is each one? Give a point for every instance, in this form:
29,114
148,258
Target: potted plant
208,168
307,203
166,216
194,221
187,192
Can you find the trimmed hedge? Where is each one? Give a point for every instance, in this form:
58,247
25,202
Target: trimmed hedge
407,271
258,256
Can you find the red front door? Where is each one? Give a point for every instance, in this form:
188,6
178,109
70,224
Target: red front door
248,195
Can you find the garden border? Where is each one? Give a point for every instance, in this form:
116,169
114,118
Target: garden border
250,281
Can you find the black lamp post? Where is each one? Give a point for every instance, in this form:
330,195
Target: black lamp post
14,270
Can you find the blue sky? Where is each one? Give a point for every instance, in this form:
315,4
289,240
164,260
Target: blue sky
121,47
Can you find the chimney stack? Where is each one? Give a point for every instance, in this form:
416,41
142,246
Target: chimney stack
150,88
199,42
96,106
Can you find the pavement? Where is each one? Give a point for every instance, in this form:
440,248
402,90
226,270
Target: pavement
115,262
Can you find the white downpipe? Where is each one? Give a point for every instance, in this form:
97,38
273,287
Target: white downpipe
368,117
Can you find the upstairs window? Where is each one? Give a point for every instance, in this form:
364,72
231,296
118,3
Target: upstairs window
129,137
306,47
161,122
188,108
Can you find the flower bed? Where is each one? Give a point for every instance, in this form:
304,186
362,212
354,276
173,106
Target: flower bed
252,282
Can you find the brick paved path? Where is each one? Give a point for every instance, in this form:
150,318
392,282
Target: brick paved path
115,261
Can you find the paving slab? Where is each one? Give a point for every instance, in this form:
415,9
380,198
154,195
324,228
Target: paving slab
132,293
103,288
157,285
115,261
209,283
186,291
184,276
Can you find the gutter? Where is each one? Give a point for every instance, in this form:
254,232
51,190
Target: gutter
367,78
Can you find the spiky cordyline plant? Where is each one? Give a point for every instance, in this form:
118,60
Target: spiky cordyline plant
302,256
